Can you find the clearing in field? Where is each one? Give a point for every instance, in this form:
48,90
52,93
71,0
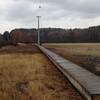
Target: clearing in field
26,74
84,54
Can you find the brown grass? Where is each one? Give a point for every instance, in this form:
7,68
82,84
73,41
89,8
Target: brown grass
25,76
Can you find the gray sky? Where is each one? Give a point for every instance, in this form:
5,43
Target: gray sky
55,13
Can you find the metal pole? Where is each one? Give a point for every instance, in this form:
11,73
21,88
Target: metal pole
38,30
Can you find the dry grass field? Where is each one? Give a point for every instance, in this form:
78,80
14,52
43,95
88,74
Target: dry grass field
84,54
26,74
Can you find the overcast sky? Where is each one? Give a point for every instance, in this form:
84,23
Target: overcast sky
55,13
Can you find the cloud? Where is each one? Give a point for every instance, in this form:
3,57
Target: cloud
58,13
81,8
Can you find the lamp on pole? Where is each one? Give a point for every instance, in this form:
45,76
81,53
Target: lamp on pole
38,41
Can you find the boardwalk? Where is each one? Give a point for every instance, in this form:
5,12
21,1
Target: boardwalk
87,83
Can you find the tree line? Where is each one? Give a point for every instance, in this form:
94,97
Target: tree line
52,35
